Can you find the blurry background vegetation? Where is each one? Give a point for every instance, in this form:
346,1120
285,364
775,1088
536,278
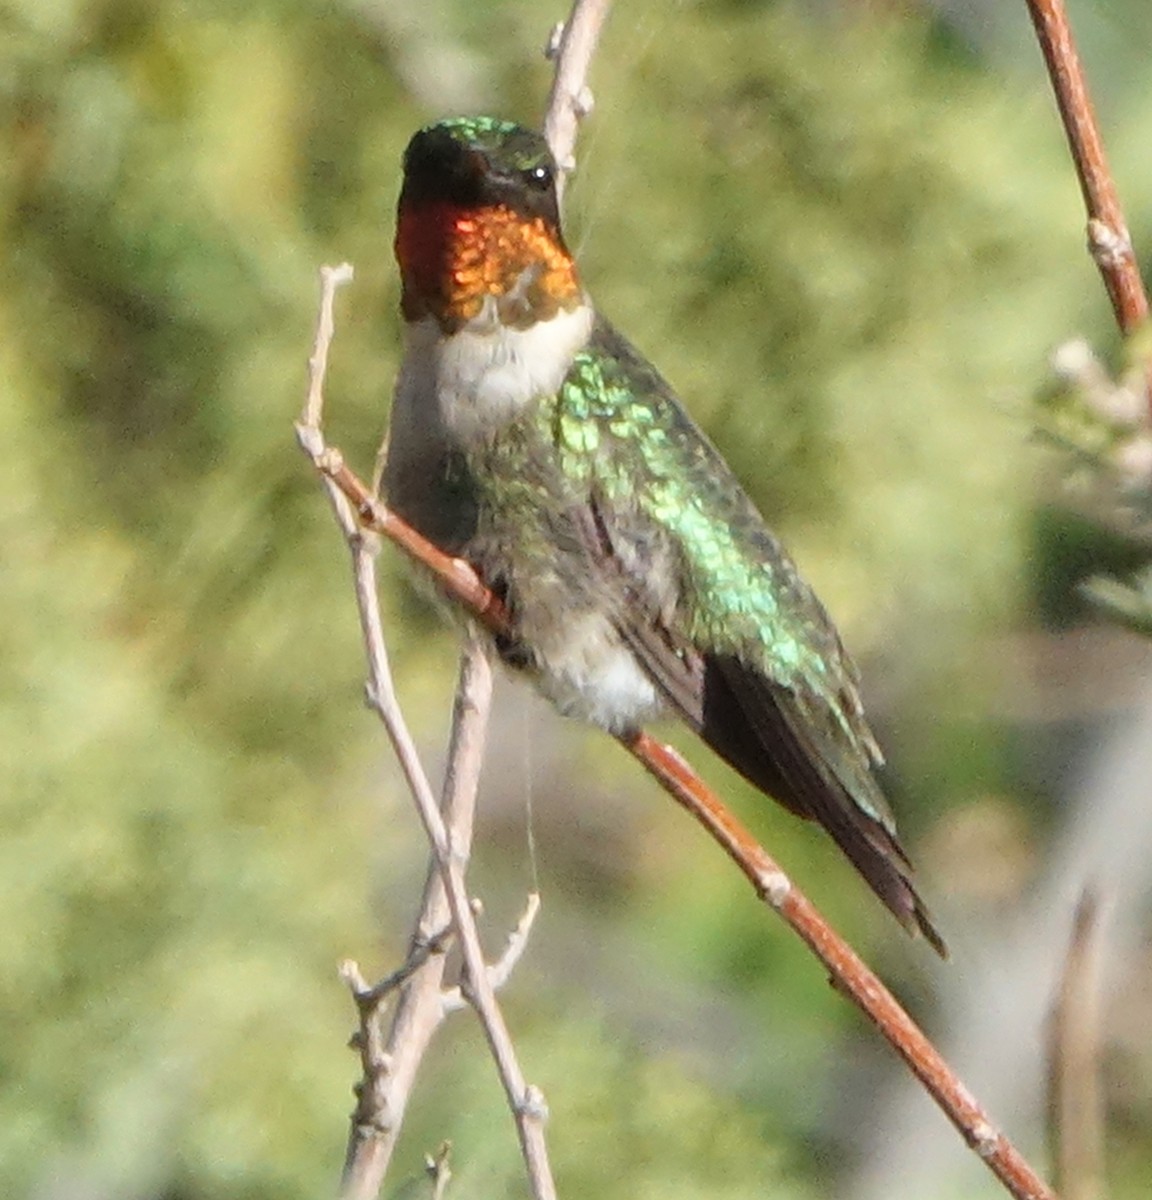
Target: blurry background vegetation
849,234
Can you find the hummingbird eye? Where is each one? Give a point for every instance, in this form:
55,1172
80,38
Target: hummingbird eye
538,177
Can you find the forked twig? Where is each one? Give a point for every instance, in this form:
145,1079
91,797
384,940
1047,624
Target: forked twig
502,968
390,1063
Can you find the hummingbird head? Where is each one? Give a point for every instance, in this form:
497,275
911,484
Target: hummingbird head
478,228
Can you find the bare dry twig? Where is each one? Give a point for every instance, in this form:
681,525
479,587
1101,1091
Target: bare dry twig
1076,1110
572,45
439,1170
390,1064
500,970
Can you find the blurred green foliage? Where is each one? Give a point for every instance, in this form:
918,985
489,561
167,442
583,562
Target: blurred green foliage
848,243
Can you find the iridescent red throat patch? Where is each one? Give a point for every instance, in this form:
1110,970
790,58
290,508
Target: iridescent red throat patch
452,259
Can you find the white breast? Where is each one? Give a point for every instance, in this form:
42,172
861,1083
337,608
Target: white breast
453,391
483,375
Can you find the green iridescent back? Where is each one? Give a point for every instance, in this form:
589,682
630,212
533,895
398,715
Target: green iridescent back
615,435
620,432
749,599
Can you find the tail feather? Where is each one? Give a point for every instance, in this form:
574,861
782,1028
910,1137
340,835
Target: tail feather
755,726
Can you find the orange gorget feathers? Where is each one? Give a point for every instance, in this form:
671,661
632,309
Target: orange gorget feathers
452,259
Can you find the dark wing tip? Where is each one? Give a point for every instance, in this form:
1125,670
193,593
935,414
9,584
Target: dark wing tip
878,856
929,931
901,898
755,726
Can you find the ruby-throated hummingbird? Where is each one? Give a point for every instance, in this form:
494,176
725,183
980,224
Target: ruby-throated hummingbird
529,438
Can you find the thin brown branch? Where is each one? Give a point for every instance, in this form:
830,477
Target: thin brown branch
848,972
1109,241
1075,1105
460,579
